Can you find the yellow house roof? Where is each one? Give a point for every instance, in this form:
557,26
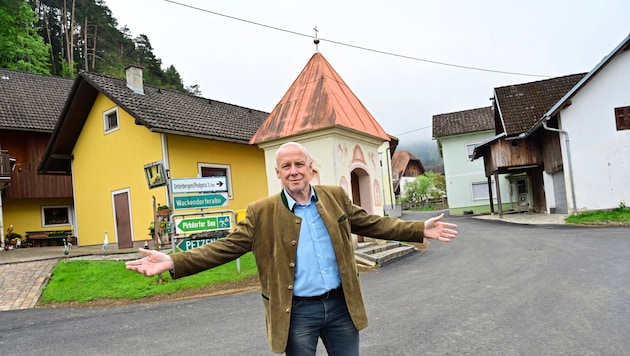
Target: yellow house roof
159,110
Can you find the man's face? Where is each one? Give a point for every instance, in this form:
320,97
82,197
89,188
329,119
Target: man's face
293,168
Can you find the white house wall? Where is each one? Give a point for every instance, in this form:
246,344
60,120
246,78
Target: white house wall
600,154
461,173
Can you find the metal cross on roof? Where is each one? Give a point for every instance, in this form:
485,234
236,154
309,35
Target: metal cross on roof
316,40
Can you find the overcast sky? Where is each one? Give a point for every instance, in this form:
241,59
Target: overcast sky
253,65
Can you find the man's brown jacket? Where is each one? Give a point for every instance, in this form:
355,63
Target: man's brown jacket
271,231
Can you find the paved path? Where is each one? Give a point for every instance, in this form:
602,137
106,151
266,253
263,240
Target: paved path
24,272
22,283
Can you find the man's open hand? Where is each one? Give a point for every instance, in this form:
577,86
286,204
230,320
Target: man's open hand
434,228
154,262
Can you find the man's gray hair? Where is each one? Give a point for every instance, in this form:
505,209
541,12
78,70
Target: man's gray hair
291,143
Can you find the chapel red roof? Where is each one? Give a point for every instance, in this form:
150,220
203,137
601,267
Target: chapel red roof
317,99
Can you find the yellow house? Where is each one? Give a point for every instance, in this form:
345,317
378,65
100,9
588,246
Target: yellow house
111,129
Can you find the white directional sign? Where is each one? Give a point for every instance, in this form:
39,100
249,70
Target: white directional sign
199,185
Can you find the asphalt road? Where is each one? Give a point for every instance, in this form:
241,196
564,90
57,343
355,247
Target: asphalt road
498,289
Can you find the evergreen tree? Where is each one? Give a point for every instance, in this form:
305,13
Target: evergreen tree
145,57
21,47
62,37
172,79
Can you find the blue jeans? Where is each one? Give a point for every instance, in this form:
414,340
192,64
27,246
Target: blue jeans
327,319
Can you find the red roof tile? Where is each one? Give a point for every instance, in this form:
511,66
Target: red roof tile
317,99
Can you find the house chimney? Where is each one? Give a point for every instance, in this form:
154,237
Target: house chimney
134,78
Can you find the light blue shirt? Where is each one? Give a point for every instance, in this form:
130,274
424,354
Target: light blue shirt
316,270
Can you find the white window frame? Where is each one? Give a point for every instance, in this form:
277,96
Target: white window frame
106,115
485,196
68,213
470,148
228,174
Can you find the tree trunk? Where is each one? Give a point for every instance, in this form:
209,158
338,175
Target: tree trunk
85,46
71,42
47,24
69,34
64,26
94,47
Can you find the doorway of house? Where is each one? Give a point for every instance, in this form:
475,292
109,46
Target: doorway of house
360,185
356,195
122,219
521,192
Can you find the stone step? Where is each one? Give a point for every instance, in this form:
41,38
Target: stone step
364,261
372,254
394,254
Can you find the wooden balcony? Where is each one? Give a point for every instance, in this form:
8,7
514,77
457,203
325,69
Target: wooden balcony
5,168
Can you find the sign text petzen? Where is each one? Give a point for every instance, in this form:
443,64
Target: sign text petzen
199,185
185,245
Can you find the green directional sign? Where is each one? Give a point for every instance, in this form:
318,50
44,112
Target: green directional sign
185,245
200,201
210,223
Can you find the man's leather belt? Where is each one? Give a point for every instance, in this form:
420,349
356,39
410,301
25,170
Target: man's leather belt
331,293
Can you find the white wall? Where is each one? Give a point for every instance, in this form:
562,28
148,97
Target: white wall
600,155
389,201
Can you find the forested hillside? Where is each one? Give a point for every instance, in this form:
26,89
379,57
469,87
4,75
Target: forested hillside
63,37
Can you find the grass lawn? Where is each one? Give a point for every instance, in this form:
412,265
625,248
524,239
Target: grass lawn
84,280
617,216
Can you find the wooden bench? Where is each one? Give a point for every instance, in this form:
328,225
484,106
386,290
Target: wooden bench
47,238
